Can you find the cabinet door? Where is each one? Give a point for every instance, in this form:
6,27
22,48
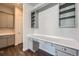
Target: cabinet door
10,21
6,20
11,40
3,41
18,26
59,53
18,38
30,43
48,47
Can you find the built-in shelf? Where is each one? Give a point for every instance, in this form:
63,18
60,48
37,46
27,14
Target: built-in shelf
36,10
67,15
34,20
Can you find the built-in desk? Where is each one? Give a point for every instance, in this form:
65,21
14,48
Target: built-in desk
62,46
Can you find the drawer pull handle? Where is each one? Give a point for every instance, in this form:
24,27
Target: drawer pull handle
65,49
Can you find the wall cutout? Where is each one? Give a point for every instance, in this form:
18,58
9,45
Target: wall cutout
67,15
34,19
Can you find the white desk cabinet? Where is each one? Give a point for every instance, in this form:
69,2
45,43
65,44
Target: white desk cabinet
59,53
56,49
11,40
66,50
7,40
3,42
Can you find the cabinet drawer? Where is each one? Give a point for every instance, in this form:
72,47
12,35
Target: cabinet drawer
11,40
3,42
66,49
78,53
59,53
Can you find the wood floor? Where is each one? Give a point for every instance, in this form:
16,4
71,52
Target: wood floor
15,51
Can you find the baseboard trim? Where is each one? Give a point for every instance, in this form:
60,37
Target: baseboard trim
25,49
7,47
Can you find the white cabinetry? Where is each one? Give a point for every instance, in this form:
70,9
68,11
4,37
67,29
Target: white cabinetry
59,53
3,41
48,47
55,49
7,40
66,49
18,26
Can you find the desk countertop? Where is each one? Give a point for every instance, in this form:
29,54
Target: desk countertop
57,40
6,31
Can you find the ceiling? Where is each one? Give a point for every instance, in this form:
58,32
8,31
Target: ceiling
20,5
33,4
12,5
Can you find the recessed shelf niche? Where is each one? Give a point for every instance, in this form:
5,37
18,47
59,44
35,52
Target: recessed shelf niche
67,15
34,19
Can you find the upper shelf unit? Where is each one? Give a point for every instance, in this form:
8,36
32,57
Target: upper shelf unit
67,15
36,10
34,19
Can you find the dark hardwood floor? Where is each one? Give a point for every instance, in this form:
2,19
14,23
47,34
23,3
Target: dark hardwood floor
17,51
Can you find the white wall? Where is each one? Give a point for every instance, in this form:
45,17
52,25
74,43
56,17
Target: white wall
26,24
49,24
